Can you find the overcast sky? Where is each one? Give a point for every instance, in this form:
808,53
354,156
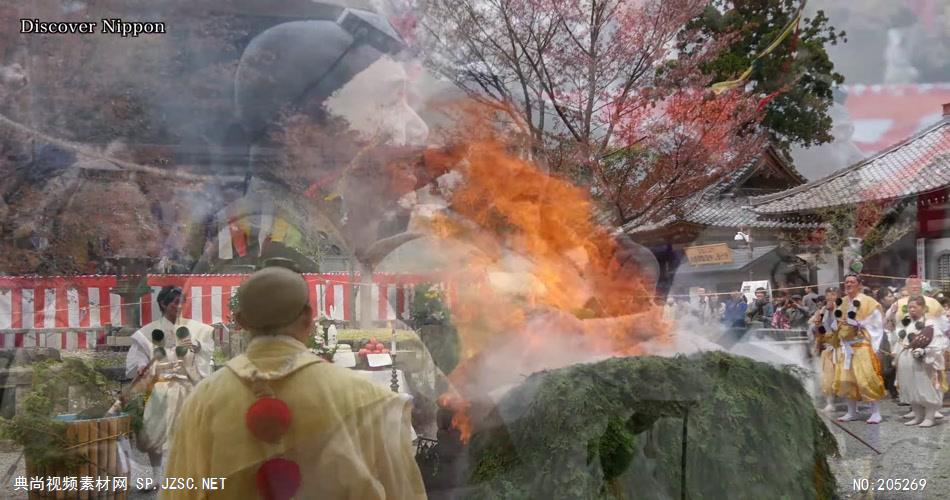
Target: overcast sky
896,65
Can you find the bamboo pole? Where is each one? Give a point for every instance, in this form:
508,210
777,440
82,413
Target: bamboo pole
112,459
125,427
102,452
82,430
92,452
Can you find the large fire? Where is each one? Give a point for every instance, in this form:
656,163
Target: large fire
547,285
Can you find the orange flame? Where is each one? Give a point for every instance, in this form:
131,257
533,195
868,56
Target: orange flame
539,249
460,416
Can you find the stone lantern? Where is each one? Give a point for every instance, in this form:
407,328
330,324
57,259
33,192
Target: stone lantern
131,285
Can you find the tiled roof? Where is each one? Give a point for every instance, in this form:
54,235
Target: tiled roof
717,212
714,207
917,165
740,175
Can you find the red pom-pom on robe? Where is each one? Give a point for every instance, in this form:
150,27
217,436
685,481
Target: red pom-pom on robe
268,419
278,479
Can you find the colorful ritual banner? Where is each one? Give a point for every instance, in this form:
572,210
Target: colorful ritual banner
790,28
280,229
239,233
267,224
224,243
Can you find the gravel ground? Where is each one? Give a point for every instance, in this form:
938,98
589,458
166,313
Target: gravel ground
907,453
8,455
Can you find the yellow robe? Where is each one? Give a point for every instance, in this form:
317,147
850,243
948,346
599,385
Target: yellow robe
350,437
829,342
861,380
827,345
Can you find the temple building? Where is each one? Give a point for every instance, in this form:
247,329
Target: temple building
893,204
696,246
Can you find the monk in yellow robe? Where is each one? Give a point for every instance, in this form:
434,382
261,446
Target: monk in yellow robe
278,422
826,344
899,311
859,327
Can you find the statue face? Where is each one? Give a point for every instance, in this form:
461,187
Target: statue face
914,287
375,104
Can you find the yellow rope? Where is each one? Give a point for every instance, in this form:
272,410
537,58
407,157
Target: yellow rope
126,433
721,87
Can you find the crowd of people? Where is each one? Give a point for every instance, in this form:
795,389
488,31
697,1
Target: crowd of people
781,311
869,341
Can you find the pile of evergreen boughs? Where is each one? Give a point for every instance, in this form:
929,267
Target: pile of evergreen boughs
35,428
615,429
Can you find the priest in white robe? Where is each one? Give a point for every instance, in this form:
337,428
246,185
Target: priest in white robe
920,362
897,317
174,354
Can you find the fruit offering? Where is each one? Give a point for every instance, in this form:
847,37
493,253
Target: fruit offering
373,347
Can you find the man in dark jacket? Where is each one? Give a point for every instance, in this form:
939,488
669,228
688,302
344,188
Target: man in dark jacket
761,310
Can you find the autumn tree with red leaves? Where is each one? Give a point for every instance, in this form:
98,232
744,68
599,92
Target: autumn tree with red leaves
600,92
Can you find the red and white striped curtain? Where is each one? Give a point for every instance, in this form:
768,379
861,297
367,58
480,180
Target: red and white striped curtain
83,303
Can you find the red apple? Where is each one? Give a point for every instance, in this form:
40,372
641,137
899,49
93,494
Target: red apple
364,352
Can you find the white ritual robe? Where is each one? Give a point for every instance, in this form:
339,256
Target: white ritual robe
918,379
175,378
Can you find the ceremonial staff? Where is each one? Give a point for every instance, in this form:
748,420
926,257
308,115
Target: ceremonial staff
392,354
865,443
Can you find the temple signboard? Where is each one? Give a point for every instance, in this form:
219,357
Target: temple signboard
718,253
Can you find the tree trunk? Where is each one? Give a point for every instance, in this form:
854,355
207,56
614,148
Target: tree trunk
366,295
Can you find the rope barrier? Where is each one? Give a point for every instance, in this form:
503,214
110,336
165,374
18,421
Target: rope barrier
85,311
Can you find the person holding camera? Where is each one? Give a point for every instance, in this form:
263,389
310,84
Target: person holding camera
790,313
761,310
734,313
797,312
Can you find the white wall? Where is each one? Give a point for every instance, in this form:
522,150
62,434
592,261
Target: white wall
828,271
